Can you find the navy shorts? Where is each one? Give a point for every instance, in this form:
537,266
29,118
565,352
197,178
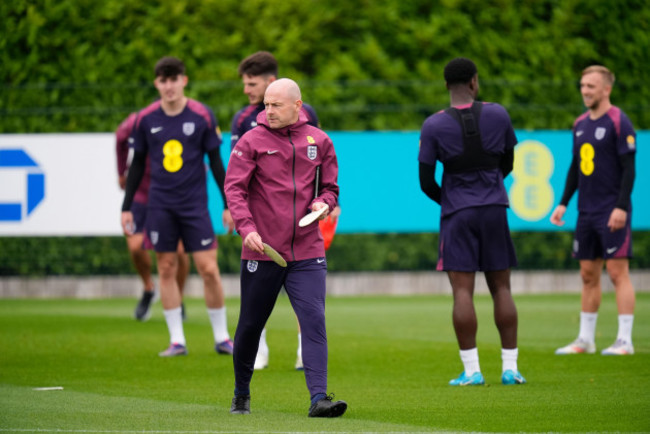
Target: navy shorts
476,239
139,211
166,226
593,239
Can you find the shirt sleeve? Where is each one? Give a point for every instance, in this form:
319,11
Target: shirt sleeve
235,131
627,138
238,176
428,145
122,135
212,139
328,185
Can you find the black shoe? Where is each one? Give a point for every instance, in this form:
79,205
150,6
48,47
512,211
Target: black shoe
143,309
328,408
241,405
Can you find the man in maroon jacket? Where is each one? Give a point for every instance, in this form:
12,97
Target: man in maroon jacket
271,183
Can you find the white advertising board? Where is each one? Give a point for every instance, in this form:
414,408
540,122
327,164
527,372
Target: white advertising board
59,185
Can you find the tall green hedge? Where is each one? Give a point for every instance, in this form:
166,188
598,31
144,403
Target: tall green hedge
83,65
34,256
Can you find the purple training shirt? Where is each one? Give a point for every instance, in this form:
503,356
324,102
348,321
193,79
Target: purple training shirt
441,139
176,146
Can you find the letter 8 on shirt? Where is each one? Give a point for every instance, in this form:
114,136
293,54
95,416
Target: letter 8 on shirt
176,146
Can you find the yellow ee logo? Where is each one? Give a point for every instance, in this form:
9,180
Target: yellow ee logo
587,154
173,160
311,140
531,194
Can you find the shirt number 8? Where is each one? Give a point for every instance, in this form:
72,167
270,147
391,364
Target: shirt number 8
173,160
587,154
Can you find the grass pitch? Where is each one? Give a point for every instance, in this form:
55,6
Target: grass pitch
390,359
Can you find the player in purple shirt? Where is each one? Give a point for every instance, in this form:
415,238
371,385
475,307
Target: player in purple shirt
258,71
139,255
176,132
475,143
602,170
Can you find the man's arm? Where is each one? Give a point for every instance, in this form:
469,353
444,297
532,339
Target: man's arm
428,182
627,180
571,184
136,172
240,171
218,172
507,162
328,188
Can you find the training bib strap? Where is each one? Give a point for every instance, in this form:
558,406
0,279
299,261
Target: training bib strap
474,157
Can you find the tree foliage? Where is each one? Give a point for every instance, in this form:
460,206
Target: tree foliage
83,65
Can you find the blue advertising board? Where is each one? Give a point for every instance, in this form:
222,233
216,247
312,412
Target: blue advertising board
380,191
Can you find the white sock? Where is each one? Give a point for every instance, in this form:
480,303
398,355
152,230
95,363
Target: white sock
470,361
299,352
588,326
509,359
625,327
174,321
264,347
219,326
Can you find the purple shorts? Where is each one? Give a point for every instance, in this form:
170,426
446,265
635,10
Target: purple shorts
476,239
593,239
166,226
139,211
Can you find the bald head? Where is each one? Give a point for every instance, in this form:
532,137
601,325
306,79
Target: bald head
282,102
285,86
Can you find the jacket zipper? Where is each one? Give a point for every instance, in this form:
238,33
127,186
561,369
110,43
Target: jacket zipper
293,175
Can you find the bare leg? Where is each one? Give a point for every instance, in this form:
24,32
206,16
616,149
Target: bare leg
141,260
206,265
619,273
505,311
167,271
464,315
590,271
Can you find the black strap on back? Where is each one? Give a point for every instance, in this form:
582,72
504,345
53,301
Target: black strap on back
474,157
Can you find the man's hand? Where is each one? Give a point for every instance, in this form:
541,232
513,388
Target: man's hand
558,214
227,220
617,219
318,205
127,223
122,181
335,213
253,241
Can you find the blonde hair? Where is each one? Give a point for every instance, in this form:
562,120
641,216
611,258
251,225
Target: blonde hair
606,73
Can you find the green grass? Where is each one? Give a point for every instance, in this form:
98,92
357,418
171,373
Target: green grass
390,359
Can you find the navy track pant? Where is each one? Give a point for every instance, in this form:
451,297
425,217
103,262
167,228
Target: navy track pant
261,282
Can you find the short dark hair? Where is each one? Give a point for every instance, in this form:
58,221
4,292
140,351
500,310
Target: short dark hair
460,71
169,66
260,63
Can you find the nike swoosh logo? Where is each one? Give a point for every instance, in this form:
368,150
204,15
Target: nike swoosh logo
611,250
579,133
320,261
156,129
271,152
206,241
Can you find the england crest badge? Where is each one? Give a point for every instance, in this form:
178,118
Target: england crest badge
188,128
600,133
154,237
312,152
251,266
